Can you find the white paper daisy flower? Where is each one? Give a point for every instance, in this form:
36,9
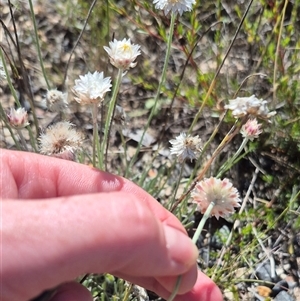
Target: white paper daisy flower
242,106
122,54
91,88
221,192
175,6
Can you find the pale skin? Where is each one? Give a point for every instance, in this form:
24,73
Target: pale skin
61,219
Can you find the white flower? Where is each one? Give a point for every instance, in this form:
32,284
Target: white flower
122,54
56,100
91,88
251,129
60,140
2,72
242,106
185,147
175,6
221,192
18,118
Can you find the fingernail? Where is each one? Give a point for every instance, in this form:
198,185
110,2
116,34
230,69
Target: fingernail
182,250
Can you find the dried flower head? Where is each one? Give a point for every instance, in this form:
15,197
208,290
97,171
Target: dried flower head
18,119
2,72
91,88
242,106
251,129
221,192
60,140
185,147
176,6
56,100
122,54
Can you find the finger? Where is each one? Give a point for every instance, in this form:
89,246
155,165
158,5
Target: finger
72,291
53,241
33,176
165,283
204,289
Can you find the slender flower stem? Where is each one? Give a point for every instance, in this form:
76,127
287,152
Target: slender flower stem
95,131
230,162
194,239
109,118
160,85
23,141
11,87
202,222
38,44
177,185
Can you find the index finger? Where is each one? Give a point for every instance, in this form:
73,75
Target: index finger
32,176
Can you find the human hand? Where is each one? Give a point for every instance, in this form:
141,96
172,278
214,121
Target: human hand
61,219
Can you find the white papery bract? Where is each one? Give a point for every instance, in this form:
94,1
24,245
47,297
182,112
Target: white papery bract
122,54
175,6
242,106
185,147
91,88
221,192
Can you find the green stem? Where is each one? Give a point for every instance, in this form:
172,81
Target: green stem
230,162
23,141
11,87
206,215
109,118
160,85
95,131
196,235
177,185
38,44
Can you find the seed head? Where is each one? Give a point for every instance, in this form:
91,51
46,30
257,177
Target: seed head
56,100
185,147
221,192
60,140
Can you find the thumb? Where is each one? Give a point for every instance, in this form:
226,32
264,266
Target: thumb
71,291
51,241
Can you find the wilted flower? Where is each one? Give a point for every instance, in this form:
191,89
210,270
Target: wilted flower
175,6
122,54
2,72
56,100
242,106
18,118
91,88
251,129
221,192
185,147
60,140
